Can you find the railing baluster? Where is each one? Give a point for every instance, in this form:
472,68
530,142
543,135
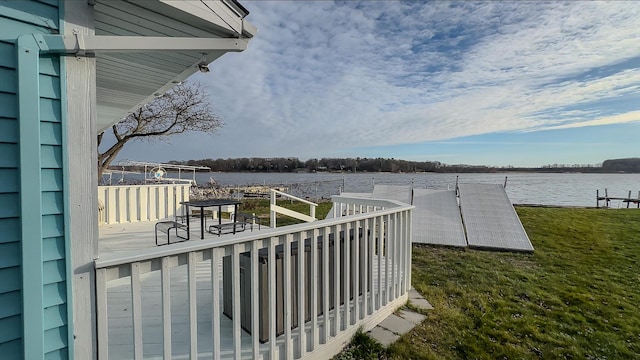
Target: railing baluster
286,263
215,301
313,295
302,291
255,299
193,306
102,314
112,205
165,278
235,283
136,311
357,261
325,283
336,279
409,250
272,298
389,259
348,262
380,253
366,263
144,203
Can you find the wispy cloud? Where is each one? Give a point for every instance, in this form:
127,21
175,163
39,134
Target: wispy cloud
323,77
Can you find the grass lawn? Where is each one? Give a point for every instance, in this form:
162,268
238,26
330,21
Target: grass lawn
260,207
577,296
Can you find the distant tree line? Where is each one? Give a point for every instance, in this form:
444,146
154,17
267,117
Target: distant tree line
292,164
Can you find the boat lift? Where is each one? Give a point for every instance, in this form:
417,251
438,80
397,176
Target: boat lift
159,172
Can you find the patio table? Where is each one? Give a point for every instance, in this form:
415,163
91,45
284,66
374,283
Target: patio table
202,204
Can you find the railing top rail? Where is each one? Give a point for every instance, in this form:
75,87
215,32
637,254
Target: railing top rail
190,183
293,197
125,257
368,201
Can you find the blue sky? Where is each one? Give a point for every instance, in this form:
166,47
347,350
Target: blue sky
496,83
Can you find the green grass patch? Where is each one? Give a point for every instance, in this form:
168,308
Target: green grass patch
362,346
575,297
261,207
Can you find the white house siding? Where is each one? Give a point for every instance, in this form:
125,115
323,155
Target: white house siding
16,332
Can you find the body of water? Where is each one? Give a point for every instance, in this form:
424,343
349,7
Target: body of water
522,188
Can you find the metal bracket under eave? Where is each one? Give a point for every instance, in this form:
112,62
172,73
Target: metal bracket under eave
80,45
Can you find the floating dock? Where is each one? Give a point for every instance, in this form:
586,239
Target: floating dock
490,220
607,199
480,216
436,218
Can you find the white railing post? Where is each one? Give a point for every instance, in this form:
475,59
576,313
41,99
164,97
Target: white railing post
272,214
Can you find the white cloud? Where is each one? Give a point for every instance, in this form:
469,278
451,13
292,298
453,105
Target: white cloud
320,78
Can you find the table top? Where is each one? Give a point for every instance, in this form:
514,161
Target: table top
210,202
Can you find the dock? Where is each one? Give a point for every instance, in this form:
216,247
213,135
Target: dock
607,199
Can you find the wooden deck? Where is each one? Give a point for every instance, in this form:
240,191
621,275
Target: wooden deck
135,236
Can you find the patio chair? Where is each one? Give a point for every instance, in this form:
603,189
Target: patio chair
177,225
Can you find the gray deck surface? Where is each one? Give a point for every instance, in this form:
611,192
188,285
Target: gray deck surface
132,236
490,219
436,218
392,192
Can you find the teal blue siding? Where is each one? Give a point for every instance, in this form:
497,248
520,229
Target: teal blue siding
53,248
11,332
8,130
10,279
52,226
9,82
55,316
55,339
10,304
52,180
10,255
50,110
8,106
50,133
18,18
11,183
10,155
37,9
7,57
10,230
51,157
6,211
12,349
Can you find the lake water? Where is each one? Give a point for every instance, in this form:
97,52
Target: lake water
522,188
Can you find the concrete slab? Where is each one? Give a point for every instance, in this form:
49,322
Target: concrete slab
417,300
396,324
411,316
383,336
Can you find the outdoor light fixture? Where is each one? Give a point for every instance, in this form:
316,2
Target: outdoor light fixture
203,67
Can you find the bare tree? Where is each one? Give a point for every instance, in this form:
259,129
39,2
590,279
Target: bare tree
184,108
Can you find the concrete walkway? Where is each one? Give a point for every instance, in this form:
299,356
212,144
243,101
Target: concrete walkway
401,322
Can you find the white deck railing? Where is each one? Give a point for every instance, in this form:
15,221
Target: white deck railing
135,203
276,209
193,299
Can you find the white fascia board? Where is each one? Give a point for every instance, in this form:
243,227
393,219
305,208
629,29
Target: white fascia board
215,12
79,44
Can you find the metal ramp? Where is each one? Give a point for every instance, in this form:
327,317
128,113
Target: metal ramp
436,218
392,192
490,219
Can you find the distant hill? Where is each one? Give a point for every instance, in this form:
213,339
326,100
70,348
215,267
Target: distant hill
622,165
